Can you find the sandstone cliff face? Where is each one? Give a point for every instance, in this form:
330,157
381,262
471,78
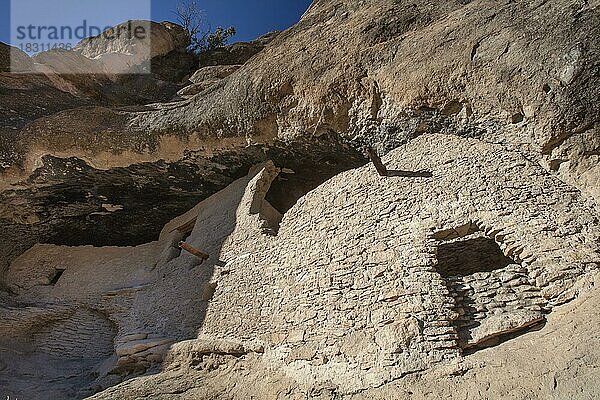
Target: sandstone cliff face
477,257
519,73
23,99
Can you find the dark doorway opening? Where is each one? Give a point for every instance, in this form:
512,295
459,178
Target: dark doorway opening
55,276
467,256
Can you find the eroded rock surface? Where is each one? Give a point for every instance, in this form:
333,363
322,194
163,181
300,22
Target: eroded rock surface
207,77
518,73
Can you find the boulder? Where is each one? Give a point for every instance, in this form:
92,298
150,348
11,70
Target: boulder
213,72
206,78
196,88
165,37
125,53
237,53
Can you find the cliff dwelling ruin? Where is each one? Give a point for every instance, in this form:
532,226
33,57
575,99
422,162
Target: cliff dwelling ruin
385,285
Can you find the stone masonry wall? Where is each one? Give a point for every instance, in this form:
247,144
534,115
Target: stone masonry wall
349,291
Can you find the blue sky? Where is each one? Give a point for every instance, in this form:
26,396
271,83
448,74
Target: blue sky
252,18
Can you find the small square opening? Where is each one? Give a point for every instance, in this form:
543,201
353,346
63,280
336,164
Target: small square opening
469,255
